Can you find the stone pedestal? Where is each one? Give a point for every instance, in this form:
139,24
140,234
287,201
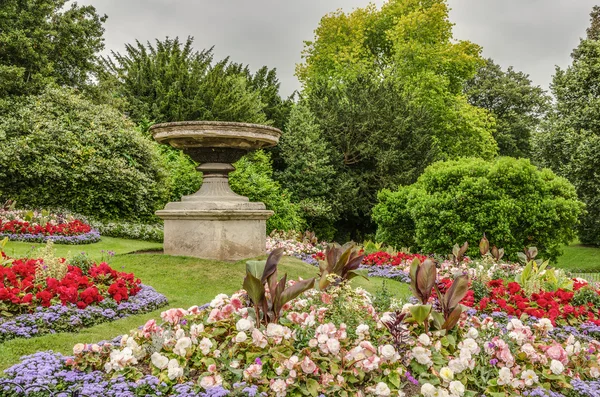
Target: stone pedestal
215,222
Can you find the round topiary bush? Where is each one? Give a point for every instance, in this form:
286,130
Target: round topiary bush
513,202
60,150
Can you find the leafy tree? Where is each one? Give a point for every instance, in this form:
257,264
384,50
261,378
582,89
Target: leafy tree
386,88
516,104
170,81
570,140
253,178
308,171
41,42
59,150
510,200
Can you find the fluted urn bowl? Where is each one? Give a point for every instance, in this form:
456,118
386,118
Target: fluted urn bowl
215,141
215,222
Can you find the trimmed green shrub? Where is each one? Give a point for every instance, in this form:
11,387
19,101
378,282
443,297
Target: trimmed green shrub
60,150
513,202
130,230
253,178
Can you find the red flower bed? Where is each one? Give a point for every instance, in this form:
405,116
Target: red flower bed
20,293
71,228
386,259
510,298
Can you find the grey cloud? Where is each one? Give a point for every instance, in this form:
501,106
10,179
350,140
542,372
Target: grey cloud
531,35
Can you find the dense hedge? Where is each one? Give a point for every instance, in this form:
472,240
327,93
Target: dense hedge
512,201
60,150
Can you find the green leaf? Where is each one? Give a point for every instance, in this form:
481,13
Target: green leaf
313,387
420,313
299,287
256,268
254,287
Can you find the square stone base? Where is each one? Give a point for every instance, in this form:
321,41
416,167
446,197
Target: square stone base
220,239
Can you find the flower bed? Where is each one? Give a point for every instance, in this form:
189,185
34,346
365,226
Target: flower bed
70,318
40,227
332,342
49,295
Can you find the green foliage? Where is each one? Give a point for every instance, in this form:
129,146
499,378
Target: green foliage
584,296
395,225
82,261
308,172
47,41
254,178
170,81
514,203
516,104
570,141
386,88
130,230
58,150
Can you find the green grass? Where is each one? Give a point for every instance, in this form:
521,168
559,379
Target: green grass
580,258
185,281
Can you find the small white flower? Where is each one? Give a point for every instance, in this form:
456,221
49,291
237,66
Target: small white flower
174,370
530,377
159,361
243,325
556,367
78,348
473,333
504,376
181,346
428,390
382,390
446,374
456,388
388,352
424,339
241,337
218,301
205,345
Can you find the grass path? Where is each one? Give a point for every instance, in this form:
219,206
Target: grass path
185,281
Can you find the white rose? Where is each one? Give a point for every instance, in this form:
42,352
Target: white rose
504,376
456,388
556,367
159,361
382,390
446,374
175,371
473,333
241,337
333,345
388,352
243,325
428,390
205,345
424,339
78,348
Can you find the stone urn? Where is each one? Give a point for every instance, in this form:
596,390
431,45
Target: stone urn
215,222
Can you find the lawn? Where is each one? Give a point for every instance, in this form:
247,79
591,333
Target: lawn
580,258
185,281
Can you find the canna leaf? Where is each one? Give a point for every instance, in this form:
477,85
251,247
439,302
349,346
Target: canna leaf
452,318
456,292
484,246
293,291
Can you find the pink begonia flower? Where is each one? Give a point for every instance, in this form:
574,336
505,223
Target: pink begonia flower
326,298
173,316
258,338
308,366
556,352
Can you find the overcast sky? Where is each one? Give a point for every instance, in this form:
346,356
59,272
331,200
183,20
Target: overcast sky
531,35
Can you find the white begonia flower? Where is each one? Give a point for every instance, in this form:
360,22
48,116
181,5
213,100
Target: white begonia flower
422,355
556,367
362,329
595,372
181,346
470,345
333,345
205,345
428,390
218,301
504,376
388,352
473,333
424,339
78,348
382,390
530,377
544,325
274,330
456,388
159,361
241,337
174,370
243,325
279,387
446,374
456,365
441,392
179,333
